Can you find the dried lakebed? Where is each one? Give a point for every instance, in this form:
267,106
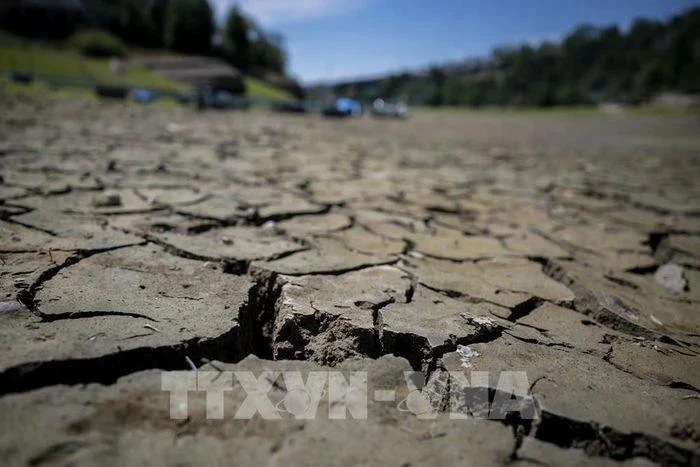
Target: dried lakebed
135,240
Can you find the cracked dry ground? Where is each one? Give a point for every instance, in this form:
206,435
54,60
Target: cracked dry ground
134,239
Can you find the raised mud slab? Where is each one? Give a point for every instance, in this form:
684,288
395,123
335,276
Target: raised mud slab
135,240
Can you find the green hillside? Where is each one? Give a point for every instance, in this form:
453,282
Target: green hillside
57,62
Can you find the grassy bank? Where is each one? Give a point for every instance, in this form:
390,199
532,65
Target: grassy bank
648,109
262,90
64,63
58,62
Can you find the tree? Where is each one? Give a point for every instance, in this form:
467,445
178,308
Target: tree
249,47
267,52
188,26
137,25
237,40
456,91
437,79
159,9
127,19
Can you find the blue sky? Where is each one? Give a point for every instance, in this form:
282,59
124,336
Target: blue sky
335,39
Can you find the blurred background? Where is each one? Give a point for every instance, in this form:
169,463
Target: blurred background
291,54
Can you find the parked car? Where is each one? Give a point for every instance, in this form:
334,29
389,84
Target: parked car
297,107
220,99
380,108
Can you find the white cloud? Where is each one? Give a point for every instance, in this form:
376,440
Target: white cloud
274,12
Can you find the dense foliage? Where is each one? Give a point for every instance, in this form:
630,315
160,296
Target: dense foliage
188,26
249,47
589,65
185,26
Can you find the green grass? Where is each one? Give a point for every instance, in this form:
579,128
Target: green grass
262,90
652,109
64,63
61,62
39,88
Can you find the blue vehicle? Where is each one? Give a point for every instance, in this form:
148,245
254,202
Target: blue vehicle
343,107
143,95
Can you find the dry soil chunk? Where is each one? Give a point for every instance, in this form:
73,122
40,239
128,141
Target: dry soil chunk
506,282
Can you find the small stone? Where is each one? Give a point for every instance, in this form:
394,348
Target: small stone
670,275
107,200
10,305
465,354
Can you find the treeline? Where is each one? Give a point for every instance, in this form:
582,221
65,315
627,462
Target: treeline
589,65
186,26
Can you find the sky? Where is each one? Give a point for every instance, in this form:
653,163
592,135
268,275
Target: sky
331,40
